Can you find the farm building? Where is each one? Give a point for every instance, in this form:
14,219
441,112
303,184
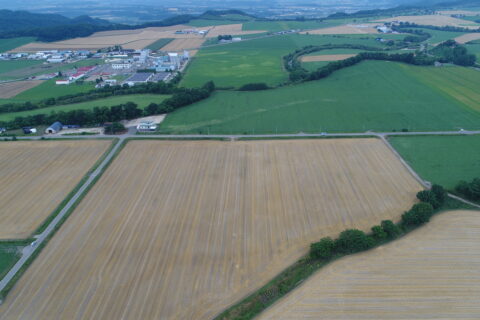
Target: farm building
140,77
146,126
62,82
54,128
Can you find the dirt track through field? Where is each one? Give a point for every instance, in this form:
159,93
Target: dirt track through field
433,273
326,57
181,230
35,176
11,89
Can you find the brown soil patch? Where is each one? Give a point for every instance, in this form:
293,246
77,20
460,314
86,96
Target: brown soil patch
11,89
183,229
326,57
36,176
430,274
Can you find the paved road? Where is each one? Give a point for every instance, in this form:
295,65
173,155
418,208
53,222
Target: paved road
266,136
29,250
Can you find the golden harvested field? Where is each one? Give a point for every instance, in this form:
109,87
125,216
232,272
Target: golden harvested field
464,12
183,229
232,29
434,20
11,89
326,57
35,177
467,38
366,28
433,273
129,39
183,44
135,39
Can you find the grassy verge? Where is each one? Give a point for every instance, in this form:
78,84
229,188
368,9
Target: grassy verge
22,270
295,275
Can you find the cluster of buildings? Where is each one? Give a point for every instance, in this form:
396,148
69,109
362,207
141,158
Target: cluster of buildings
78,74
192,31
50,56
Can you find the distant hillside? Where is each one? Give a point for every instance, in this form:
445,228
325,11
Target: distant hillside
24,20
55,27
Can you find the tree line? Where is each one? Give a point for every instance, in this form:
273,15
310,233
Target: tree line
95,94
99,115
353,240
470,190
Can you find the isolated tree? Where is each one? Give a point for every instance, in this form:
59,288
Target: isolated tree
440,193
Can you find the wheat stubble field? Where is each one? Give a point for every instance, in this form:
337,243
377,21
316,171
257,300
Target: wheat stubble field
183,229
433,273
35,176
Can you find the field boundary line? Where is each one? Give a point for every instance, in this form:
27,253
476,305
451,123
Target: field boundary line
30,252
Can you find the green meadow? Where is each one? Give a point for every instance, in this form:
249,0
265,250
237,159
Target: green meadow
257,60
373,95
10,44
142,100
11,65
444,160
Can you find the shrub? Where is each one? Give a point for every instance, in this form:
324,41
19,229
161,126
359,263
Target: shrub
440,193
419,214
391,229
352,240
322,249
378,233
428,197
254,87
471,190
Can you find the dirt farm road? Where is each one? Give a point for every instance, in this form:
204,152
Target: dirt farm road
36,245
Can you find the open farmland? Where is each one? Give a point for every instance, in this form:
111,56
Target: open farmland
327,57
12,43
373,95
257,60
444,160
142,100
183,44
232,29
36,176
467,38
48,89
433,273
435,20
365,28
182,229
11,89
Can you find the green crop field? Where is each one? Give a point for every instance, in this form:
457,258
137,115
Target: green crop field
374,95
441,36
159,44
9,255
10,44
142,100
10,65
257,60
444,160
474,49
49,89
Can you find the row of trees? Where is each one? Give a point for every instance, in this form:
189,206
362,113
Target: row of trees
352,240
452,52
299,74
404,25
470,190
101,93
129,110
